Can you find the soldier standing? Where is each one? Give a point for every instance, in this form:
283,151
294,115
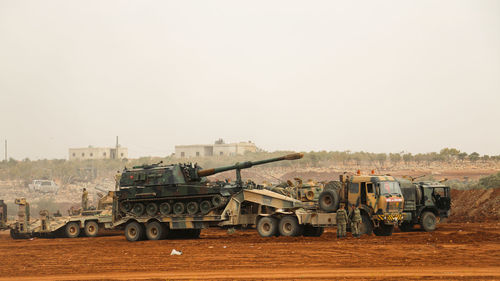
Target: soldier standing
85,199
118,176
342,219
355,221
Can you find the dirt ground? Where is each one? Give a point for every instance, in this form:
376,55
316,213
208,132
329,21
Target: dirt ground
454,252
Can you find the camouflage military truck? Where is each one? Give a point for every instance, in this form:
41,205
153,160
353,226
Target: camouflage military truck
81,222
160,201
3,215
426,203
379,199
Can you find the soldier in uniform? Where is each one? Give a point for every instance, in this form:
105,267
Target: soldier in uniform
342,220
355,221
118,176
85,199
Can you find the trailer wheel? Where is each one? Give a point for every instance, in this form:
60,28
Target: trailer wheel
313,231
91,229
384,230
267,226
365,226
134,231
155,231
428,221
329,200
72,230
289,226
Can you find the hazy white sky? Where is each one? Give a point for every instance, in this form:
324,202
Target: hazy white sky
379,76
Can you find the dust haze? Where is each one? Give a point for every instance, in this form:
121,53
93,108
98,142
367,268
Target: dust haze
288,75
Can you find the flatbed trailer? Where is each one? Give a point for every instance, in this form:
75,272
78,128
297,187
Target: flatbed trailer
87,222
270,213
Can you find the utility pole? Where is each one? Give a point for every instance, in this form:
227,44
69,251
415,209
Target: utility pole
116,149
5,150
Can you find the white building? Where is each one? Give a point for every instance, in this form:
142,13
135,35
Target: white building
90,152
219,148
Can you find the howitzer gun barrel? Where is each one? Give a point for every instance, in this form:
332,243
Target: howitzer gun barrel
247,164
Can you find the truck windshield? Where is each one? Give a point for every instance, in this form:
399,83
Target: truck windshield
389,187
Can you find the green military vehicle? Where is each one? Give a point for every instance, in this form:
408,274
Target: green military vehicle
378,197
425,204
160,201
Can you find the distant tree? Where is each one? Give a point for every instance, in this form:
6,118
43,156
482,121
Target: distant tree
395,157
474,156
462,155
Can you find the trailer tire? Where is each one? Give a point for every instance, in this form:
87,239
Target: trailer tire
91,229
155,231
267,226
329,200
289,226
72,230
134,231
365,226
428,221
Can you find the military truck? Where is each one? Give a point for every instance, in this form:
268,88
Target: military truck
160,201
378,197
87,222
426,203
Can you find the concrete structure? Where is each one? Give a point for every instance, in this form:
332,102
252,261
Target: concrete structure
98,153
219,148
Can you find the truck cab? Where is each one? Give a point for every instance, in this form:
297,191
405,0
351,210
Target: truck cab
379,199
426,203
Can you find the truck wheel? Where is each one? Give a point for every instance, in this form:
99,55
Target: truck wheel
155,231
312,231
365,227
405,227
289,226
151,209
134,231
428,221
384,230
72,230
329,201
91,229
267,226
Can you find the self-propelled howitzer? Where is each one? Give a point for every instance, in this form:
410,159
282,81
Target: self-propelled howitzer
179,189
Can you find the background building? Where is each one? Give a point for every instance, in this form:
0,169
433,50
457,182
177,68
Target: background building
91,152
219,148
98,153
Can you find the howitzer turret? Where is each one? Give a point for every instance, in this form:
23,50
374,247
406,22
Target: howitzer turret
179,189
